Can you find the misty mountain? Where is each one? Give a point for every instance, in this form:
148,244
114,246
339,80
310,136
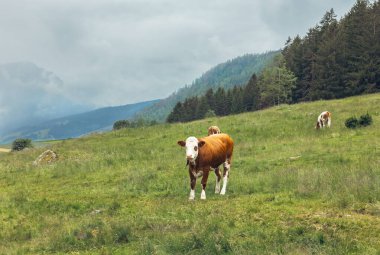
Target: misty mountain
226,75
41,111
30,94
78,124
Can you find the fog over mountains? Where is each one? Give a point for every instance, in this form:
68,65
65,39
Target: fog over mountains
30,94
34,104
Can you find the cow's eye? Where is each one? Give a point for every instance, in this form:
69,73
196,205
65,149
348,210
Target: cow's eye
195,148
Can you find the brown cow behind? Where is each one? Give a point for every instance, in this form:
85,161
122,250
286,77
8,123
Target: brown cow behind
213,130
206,153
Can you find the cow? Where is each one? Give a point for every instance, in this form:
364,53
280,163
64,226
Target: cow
323,119
206,153
213,130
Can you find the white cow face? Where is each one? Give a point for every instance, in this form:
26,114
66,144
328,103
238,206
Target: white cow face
192,148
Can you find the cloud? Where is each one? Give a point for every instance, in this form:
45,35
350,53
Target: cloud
30,94
119,52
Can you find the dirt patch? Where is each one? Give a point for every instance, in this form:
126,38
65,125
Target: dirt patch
4,150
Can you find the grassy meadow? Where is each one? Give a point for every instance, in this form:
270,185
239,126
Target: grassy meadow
292,189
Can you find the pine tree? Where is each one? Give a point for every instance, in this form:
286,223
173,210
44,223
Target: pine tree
237,100
251,94
176,113
227,109
356,38
191,109
293,54
328,71
276,84
202,108
220,98
374,53
210,98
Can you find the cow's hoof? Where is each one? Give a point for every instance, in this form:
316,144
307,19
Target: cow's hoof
203,198
191,198
223,192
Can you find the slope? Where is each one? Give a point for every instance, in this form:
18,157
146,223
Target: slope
226,75
292,189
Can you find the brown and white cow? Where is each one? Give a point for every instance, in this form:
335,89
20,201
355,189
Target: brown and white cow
323,119
206,153
213,130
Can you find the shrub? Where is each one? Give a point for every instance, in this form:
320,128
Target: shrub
365,120
352,122
21,143
121,124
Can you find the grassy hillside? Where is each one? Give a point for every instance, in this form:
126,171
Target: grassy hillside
293,190
235,72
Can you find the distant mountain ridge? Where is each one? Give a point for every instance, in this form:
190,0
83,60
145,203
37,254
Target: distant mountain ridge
226,75
78,124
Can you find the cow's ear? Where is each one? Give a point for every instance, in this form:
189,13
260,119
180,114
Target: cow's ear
181,143
201,143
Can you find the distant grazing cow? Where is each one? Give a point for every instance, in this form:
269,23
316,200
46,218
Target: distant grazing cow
323,119
206,153
213,130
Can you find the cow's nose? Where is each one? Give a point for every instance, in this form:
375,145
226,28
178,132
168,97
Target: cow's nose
189,157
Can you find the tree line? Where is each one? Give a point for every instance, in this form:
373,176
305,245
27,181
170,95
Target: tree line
236,71
272,87
335,59
133,123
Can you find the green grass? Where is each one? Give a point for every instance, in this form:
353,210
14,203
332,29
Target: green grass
323,201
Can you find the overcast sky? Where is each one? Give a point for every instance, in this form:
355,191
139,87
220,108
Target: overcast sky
118,52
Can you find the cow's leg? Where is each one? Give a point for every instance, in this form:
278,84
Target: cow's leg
226,172
329,122
218,178
204,182
193,181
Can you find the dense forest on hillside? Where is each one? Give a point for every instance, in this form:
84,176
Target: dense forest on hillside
272,87
335,59
234,72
